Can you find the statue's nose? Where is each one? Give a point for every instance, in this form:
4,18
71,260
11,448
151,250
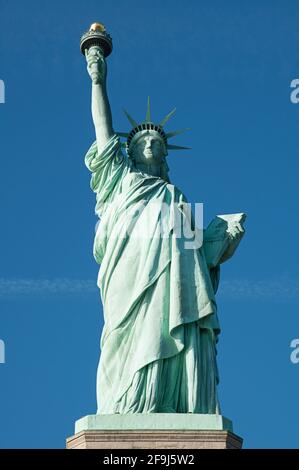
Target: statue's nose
148,143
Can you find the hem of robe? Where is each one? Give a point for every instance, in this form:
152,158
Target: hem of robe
205,406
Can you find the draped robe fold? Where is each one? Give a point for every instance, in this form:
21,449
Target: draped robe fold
158,344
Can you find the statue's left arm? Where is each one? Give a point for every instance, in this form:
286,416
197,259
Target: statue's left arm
220,242
222,238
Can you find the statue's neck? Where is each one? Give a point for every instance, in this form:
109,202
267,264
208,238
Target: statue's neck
153,170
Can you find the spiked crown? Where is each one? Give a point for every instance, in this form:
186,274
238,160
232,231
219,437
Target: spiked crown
148,125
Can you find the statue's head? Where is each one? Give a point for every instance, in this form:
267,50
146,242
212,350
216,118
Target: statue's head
147,143
148,148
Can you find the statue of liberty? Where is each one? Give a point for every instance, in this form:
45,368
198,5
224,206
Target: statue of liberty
158,345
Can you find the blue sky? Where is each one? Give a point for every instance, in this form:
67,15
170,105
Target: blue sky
227,67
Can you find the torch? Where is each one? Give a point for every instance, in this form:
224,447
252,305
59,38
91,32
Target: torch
98,38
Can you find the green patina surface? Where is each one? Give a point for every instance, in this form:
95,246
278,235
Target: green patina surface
157,421
161,327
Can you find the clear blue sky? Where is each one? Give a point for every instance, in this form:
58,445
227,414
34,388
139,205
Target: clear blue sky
227,67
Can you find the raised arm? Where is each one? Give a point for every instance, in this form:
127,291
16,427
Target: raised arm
100,107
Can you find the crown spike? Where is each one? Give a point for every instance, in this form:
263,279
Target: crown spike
173,133
148,110
131,120
168,116
177,147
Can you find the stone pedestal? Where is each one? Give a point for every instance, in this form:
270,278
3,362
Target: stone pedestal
154,431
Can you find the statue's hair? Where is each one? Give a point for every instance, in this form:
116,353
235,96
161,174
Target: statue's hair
165,171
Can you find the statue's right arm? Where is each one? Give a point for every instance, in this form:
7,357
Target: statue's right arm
100,107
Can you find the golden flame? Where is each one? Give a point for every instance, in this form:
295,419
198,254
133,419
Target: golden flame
97,27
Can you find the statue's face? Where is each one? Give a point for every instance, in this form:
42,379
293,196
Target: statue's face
148,149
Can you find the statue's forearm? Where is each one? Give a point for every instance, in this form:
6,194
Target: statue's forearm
101,114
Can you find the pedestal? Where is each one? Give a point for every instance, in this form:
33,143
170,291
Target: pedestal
154,431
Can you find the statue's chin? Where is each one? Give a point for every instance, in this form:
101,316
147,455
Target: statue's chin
151,159
147,161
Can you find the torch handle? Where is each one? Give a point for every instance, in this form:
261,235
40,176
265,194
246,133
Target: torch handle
95,63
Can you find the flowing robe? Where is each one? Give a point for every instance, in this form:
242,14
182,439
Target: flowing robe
158,344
